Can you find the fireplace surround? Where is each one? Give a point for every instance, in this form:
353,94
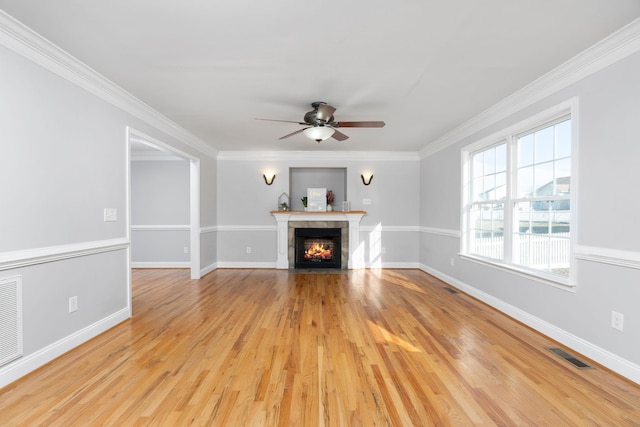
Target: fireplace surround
348,222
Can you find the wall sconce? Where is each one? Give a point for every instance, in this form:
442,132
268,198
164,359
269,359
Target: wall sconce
269,177
366,178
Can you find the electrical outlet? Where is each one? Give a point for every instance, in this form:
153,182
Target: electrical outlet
451,261
617,320
73,304
384,250
185,250
366,201
248,249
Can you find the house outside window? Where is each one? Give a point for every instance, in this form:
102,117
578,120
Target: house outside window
517,197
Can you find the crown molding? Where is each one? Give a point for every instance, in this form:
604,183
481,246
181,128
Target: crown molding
24,41
610,50
320,155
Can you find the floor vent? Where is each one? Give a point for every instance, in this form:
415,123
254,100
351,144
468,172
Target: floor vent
450,290
569,358
10,319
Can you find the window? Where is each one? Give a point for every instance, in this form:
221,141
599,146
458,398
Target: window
517,210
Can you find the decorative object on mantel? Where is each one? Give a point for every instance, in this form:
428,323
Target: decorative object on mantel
283,202
346,206
366,177
316,199
269,177
330,198
304,202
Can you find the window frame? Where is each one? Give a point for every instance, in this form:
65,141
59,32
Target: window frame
509,136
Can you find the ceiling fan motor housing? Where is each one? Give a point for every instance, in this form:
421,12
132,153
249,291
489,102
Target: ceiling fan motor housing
312,116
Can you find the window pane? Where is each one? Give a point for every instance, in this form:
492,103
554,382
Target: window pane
542,239
539,233
525,182
544,145
562,171
489,186
525,150
563,139
478,160
487,231
501,158
478,190
543,181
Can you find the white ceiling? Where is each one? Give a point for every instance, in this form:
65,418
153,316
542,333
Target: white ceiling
423,67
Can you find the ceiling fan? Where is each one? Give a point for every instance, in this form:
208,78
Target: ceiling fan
320,124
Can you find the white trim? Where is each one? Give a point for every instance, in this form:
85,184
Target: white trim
390,228
394,265
222,228
537,276
608,51
630,259
233,264
208,229
194,190
441,232
320,156
24,41
161,264
160,227
208,269
154,156
21,367
24,258
568,109
612,361
194,217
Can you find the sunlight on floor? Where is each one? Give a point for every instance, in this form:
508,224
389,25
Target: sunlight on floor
383,336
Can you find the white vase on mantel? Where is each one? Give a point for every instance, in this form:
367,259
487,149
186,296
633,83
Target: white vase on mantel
329,208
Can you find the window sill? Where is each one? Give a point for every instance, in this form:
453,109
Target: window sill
546,279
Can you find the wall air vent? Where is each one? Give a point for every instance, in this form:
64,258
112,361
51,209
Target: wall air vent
10,319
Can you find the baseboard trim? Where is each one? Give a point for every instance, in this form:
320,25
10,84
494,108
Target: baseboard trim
607,359
21,367
208,269
185,264
261,265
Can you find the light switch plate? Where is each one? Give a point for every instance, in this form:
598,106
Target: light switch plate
366,201
110,215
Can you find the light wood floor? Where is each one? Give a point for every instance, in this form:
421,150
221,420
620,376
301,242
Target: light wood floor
267,348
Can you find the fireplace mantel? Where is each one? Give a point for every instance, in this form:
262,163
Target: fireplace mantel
284,217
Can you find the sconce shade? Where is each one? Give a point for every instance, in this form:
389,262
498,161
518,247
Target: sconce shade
269,179
366,180
319,133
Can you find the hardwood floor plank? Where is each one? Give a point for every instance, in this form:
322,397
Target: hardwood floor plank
270,348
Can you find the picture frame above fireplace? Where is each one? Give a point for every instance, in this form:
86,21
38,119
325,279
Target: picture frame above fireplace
316,199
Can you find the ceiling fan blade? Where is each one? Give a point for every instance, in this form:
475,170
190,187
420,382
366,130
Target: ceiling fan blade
339,136
283,121
325,112
292,133
371,124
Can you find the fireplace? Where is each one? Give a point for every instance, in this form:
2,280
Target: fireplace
318,248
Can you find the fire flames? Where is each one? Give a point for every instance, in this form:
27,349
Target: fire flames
318,251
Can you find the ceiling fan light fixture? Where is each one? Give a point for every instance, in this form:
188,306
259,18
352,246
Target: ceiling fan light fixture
319,133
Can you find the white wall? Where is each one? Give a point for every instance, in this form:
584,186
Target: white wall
64,159
160,213
245,201
607,253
